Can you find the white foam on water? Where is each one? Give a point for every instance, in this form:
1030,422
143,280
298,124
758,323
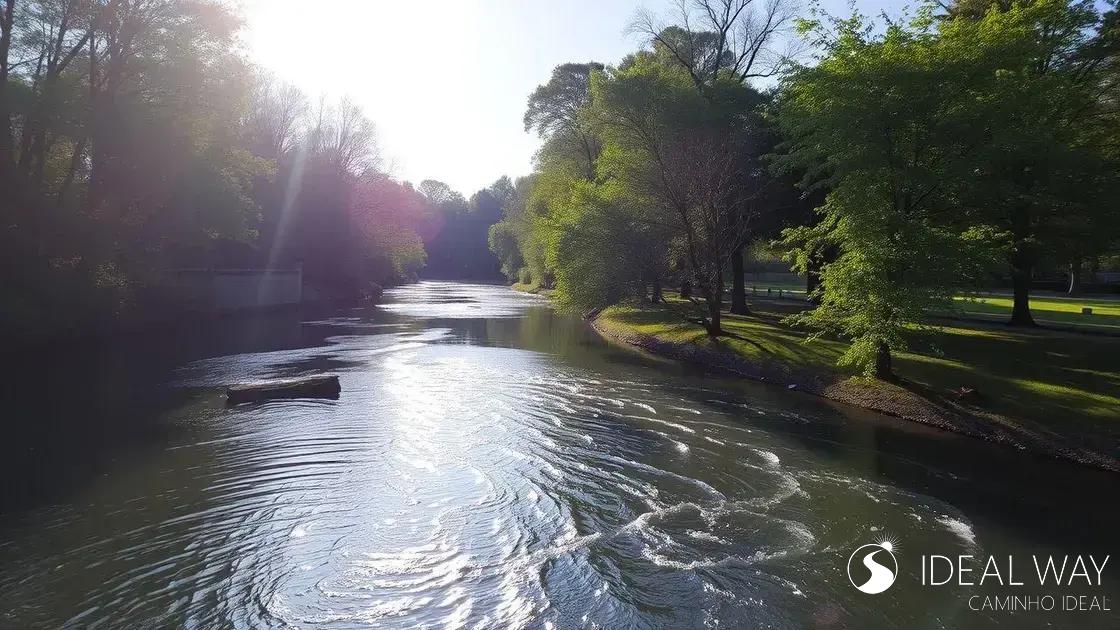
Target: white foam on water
675,425
767,456
707,536
687,410
628,463
962,529
662,561
644,518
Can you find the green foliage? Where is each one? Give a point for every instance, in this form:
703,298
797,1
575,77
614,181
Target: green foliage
406,258
169,150
1045,175
600,241
892,270
459,246
947,145
886,123
503,243
688,158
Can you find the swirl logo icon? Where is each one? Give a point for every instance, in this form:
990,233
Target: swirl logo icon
878,558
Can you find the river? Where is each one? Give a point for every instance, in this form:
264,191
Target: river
492,463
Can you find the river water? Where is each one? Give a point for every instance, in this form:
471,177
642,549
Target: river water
492,463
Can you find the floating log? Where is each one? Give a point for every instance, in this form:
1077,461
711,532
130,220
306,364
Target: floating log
305,387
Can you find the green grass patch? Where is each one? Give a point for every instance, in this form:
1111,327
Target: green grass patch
526,288
1059,310
534,288
1065,382
758,336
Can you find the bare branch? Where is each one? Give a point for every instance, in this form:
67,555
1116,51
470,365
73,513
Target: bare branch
707,37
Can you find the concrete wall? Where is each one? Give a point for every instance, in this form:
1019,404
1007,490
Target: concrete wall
235,289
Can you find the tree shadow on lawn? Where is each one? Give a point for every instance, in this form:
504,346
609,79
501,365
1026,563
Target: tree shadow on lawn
1063,382
688,322
718,343
1056,379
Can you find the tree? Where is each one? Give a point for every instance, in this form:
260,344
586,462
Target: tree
555,112
7,23
1044,177
274,120
387,213
502,240
119,151
605,248
686,154
348,223
518,239
437,192
890,123
714,39
345,137
458,246
718,41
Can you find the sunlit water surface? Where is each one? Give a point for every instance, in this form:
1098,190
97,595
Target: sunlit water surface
491,463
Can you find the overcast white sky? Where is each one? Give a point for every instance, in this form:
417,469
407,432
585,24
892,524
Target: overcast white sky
445,81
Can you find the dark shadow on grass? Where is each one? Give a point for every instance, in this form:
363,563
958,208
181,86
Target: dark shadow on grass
727,333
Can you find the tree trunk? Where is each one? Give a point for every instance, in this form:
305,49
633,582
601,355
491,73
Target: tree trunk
738,284
75,160
715,305
6,22
883,362
656,298
1074,277
39,149
1021,285
715,328
1022,259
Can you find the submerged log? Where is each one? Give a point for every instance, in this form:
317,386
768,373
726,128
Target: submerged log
305,387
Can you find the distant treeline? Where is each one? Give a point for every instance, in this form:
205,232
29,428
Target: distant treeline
895,164
134,138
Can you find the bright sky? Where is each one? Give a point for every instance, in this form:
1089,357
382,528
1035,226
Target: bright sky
446,82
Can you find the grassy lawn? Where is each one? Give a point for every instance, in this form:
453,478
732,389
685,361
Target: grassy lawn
1061,310
1049,309
1066,382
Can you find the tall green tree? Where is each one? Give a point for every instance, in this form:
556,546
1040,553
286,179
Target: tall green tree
555,112
684,154
890,123
605,248
720,41
1044,178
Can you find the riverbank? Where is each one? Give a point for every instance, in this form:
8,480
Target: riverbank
450,383
535,289
1046,397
